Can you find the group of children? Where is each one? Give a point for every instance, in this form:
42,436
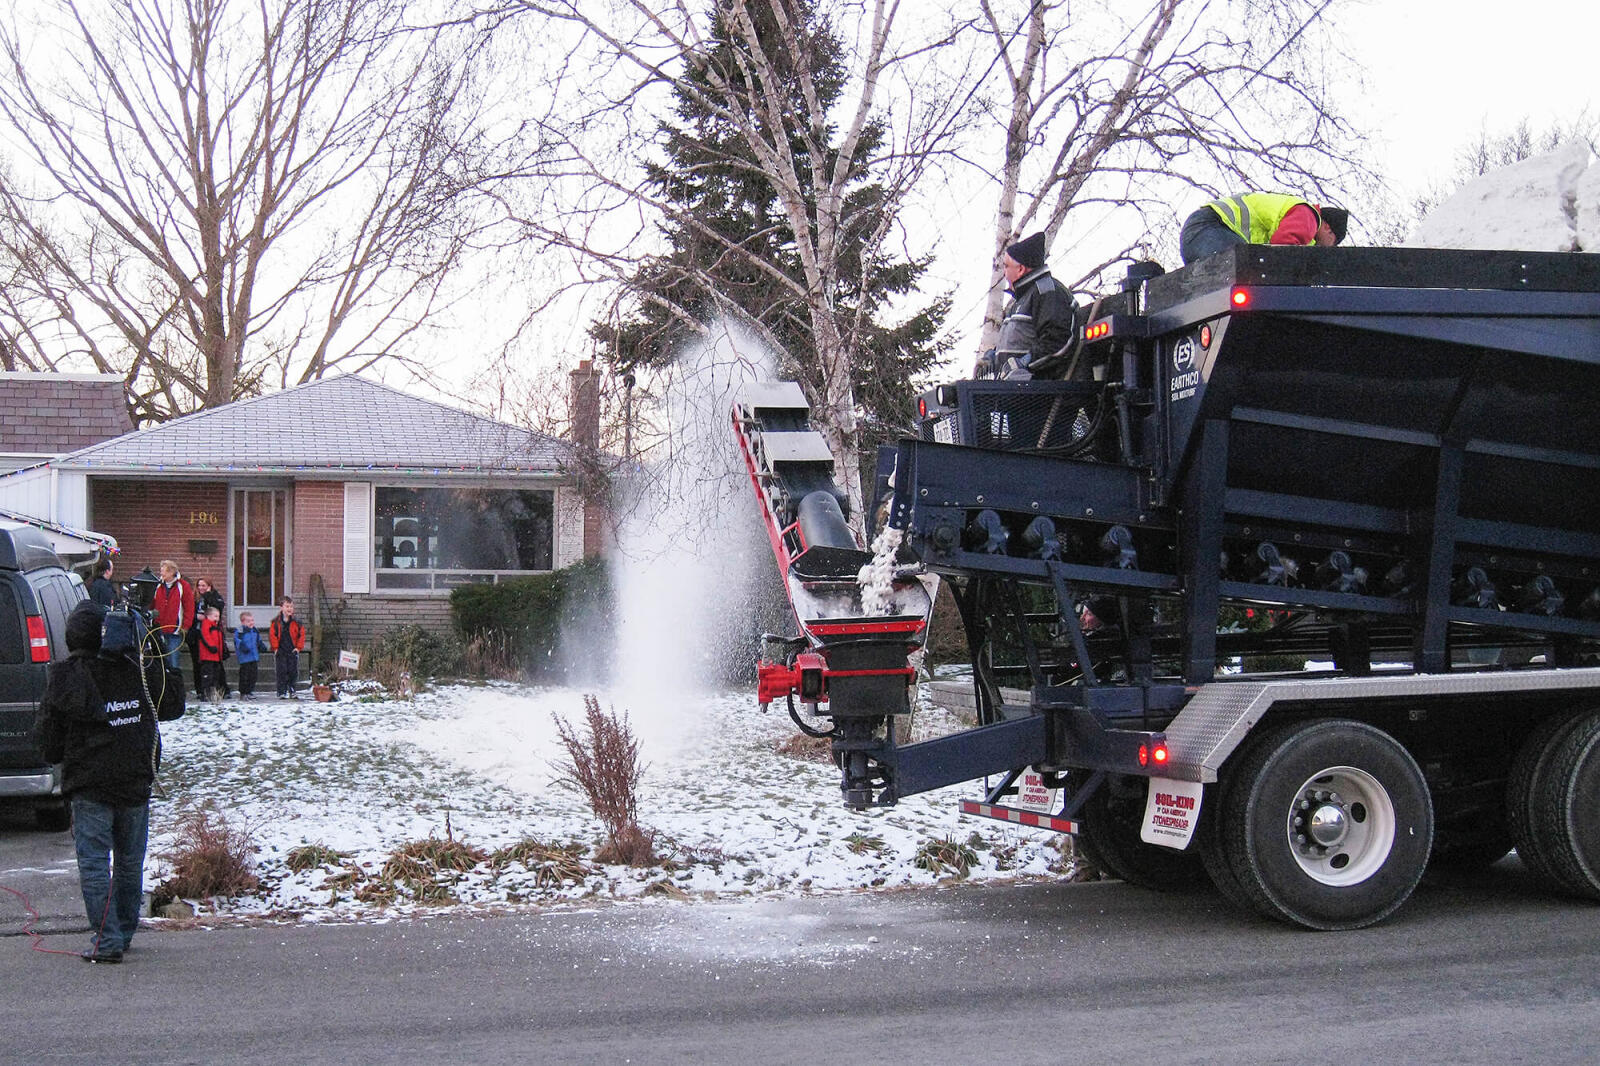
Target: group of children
286,637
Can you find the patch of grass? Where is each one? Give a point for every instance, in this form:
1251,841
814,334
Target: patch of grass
551,865
447,854
810,749
861,843
945,855
210,858
310,856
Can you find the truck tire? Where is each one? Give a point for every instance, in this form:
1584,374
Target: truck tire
1566,809
1328,824
1109,836
1523,787
1213,857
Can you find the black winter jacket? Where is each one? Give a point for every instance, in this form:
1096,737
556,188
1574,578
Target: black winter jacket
97,722
1039,322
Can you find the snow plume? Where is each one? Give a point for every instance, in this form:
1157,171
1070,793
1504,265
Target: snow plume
690,545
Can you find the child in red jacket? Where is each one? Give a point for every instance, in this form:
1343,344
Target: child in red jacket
210,650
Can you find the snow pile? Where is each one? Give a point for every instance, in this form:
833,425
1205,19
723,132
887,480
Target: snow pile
364,776
1547,203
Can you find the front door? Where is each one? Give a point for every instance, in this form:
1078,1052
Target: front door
260,552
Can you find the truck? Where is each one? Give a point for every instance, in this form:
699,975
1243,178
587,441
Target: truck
1284,574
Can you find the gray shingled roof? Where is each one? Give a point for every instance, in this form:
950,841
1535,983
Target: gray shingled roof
339,423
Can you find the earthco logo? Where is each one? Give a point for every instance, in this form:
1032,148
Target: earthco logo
1183,354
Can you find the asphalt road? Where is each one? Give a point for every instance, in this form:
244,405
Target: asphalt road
1476,971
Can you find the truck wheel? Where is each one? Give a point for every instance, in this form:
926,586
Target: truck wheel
1109,836
1566,809
1208,838
1328,825
1523,787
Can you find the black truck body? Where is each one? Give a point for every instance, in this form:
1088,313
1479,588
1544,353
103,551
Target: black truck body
1296,553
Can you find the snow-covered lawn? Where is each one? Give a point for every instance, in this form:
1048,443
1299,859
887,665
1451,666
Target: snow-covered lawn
366,774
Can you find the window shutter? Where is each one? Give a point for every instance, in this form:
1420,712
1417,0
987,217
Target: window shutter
357,536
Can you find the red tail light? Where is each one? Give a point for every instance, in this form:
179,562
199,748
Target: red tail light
38,639
1144,755
1159,754
1241,297
922,408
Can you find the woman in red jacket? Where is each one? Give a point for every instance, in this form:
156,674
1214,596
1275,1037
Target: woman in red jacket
173,607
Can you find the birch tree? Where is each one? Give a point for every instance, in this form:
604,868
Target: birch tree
806,131
1154,109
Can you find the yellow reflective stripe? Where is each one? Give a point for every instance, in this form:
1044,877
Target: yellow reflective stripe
1244,216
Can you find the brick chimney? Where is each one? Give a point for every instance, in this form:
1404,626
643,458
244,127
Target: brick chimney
585,411
584,420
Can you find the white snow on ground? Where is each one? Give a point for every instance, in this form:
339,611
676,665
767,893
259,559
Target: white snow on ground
1547,203
366,776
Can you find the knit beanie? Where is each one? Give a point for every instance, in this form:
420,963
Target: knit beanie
83,626
1338,220
1029,251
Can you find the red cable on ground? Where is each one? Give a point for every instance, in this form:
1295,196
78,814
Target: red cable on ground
27,927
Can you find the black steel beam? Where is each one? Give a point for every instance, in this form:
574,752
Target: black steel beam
989,749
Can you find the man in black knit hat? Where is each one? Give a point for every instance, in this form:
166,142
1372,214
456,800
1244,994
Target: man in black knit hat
100,709
1040,319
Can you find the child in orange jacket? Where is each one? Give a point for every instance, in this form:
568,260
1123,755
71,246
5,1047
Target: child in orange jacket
288,638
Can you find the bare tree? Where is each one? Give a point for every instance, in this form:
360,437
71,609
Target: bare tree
1103,105
769,93
211,196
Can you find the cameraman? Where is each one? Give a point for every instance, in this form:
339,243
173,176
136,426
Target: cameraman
99,722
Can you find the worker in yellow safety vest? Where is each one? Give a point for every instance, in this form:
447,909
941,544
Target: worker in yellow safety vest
1260,218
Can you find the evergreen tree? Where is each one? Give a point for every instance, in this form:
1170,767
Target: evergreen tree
731,249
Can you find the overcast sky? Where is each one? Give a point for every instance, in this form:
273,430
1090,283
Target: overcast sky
1440,70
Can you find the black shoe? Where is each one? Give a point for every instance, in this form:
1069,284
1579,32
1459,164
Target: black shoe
102,956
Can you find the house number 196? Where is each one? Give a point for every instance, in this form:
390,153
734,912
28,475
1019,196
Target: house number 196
202,518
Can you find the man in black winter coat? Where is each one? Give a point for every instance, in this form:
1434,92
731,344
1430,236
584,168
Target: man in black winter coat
1040,319
99,720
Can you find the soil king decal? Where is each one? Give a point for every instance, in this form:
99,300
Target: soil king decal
1171,812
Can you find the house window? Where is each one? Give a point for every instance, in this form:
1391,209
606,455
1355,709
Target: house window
436,538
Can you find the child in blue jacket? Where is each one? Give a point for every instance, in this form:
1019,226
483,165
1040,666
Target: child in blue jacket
247,644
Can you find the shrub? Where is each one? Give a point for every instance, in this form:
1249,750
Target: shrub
603,762
526,616
414,650
210,858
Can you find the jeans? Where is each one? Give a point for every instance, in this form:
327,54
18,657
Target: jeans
110,843
288,672
171,642
1204,233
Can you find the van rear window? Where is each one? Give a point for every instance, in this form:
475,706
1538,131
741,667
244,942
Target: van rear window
13,648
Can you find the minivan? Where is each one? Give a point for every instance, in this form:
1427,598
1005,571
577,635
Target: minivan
37,592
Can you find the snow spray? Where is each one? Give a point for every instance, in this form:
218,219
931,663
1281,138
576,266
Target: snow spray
690,548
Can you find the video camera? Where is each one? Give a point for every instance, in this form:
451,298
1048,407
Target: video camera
128,626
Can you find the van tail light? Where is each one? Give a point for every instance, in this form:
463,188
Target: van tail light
38,640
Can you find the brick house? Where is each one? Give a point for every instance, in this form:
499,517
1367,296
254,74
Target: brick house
366,504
